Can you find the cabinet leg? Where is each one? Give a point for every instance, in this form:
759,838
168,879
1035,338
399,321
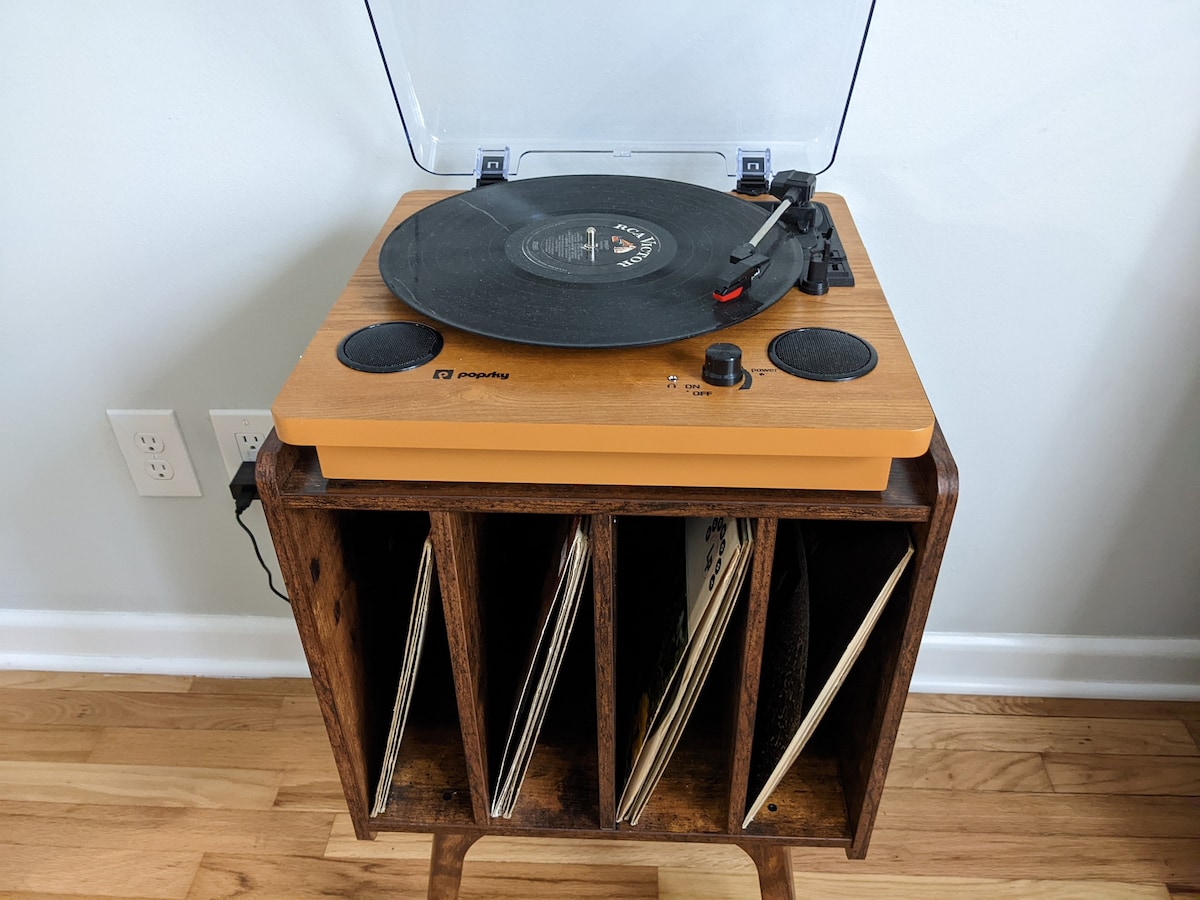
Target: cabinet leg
446,862
774,864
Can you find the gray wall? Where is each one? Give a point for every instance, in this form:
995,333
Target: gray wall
184,188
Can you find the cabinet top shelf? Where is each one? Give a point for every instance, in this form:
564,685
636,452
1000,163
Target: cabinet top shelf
909,497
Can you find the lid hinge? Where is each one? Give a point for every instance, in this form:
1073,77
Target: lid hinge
754,171
491,166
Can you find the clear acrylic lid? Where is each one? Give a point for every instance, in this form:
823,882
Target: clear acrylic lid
621,80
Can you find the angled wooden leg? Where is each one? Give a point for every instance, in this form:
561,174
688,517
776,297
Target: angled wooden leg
446,862
774,864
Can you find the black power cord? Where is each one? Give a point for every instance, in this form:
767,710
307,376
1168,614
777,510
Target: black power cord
244,489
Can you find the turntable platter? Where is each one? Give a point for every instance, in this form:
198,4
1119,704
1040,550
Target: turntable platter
586,261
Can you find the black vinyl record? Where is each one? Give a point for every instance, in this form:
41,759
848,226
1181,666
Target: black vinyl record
584,261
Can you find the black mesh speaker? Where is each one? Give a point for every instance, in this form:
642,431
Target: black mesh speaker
390,347
822,354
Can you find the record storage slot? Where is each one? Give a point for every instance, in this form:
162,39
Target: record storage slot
430,783
519,556
832,790
693,794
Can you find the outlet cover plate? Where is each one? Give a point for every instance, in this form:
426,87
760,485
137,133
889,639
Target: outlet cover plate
229,423
152,444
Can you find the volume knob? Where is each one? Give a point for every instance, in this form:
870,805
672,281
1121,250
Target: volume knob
723,365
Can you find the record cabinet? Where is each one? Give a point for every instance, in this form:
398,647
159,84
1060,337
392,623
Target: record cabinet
331,537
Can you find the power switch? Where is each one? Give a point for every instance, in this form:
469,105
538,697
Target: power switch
723,365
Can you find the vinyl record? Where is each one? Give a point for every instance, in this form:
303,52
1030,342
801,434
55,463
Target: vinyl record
584,261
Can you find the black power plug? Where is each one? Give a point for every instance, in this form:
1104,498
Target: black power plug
243,487
244,490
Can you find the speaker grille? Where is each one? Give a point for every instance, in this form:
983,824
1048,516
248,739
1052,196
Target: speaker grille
822,354
390,347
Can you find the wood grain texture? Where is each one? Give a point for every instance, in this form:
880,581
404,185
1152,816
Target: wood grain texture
774,864
135,709
870,713
687,884
1033,855
57,743
92,681
456,549
299,877
1113,774
537,411
604,580
110,873
753,620
829,799
304,486
1048,814
138,785
272,750
71,828
1052,706
1060,734
168,829
325,606
968,770
308,791
446,856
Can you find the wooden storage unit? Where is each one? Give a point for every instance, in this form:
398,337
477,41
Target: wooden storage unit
331,539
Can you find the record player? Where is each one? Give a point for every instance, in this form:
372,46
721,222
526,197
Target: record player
600,328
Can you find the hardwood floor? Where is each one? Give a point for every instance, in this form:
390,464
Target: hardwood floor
152,786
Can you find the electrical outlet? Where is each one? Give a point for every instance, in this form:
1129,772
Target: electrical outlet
240,433
154,451
160,469
148,442
248,444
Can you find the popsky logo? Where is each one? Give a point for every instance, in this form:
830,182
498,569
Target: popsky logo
448,375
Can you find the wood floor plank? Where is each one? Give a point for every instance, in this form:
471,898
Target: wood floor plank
95,826
93,681
47,743
300,713
484,881
232,782
1101,815
687,884
1034,856
107,873
138,785
1052,706
276,687
305,790
1097,773
210,748
1031,734
1193,727
543,851
968,770
297,878
136,709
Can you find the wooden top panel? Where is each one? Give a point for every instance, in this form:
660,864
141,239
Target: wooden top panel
619,399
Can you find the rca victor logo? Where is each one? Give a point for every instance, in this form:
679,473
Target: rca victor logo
448,374
646,244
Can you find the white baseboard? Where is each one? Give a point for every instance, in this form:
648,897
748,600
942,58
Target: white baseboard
1028,665
158,643
1039,665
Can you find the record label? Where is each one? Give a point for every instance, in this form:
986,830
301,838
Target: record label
596,247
